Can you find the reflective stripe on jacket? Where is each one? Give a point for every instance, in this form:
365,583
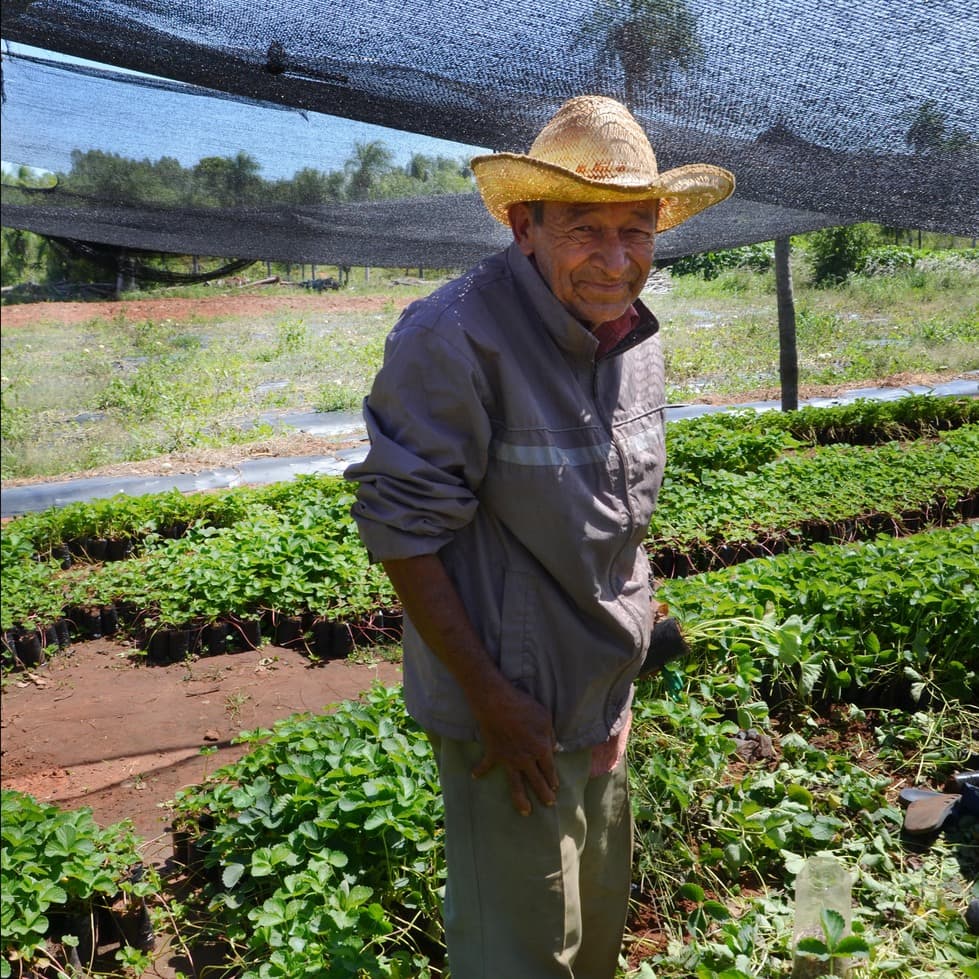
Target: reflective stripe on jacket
499,442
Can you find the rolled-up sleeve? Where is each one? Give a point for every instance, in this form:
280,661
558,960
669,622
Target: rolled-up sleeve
429,432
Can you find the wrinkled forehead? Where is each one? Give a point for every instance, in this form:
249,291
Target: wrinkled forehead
614,212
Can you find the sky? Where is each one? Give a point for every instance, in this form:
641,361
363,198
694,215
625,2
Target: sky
42,131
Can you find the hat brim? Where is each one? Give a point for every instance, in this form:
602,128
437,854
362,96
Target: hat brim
505,179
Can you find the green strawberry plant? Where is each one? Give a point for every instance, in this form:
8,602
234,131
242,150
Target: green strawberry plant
830,954
349,798
892,620
55,865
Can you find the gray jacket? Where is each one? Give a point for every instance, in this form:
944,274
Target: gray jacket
498,442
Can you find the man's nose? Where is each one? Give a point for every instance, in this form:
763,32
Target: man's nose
613,253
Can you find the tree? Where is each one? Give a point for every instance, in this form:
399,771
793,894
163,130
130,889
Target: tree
170,182
420,166
310,186
650,40
228,181
103,176
34,178
15,248
929,132
836,253
426,175
244,180
364,169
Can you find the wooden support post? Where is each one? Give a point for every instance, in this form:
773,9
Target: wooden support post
788,359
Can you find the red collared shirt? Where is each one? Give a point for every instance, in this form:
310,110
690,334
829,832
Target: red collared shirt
610,334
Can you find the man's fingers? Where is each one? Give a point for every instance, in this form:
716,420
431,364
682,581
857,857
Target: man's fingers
541,777
544,788
518,792
548,769
485,764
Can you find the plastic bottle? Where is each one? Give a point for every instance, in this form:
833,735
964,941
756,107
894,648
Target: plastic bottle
822,884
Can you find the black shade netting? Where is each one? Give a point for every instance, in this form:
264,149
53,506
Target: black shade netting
247,136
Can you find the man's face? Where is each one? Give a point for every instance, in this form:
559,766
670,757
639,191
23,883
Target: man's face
594,257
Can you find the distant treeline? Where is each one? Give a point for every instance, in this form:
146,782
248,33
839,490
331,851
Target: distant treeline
370,173
229,181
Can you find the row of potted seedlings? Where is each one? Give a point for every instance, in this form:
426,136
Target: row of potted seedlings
95,549
92,549
325,639
686,559
315,635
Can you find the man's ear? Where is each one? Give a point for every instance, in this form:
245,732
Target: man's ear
521,221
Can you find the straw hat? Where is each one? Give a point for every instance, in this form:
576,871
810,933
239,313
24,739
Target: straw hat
593,151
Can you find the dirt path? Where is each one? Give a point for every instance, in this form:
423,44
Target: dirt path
265,300
92,729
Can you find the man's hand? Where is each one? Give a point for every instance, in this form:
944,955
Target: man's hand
516,733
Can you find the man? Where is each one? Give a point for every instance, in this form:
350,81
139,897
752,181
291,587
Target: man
516,453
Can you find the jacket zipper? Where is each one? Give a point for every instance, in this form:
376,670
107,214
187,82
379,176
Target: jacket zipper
632,519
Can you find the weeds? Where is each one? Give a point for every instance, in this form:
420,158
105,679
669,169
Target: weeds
124,390
720,336
234,703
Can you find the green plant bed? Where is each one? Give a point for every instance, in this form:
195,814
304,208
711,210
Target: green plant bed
320,848
738,487
741,441
736,442
272,562
868,422
712,518
131,519
309,810
62,874
285,550
719,841
711,834
318,851
882,623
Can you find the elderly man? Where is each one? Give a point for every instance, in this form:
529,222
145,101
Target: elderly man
516,453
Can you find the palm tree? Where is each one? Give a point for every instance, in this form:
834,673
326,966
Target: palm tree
310,186
227,181
243,177
420,166
366,167
650,40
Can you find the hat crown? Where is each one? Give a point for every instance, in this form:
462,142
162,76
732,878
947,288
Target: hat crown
597,139
593,151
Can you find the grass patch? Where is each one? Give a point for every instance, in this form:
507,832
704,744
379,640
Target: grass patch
125,389
120,391
721,336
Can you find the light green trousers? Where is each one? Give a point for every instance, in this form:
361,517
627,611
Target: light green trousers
542,896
